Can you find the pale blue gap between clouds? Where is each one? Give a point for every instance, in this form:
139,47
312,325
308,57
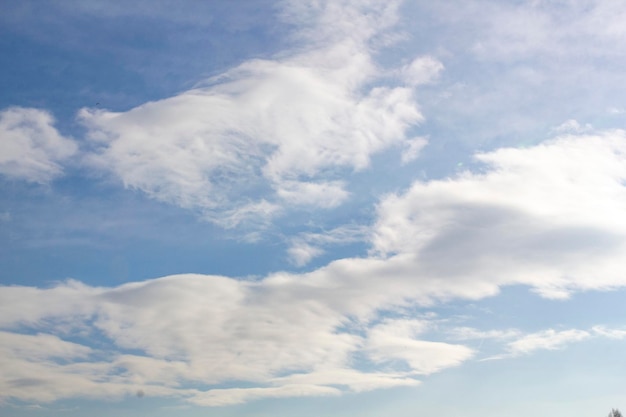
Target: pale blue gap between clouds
548,217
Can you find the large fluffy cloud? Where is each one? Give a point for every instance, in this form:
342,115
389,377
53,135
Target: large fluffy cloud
271,133
547,216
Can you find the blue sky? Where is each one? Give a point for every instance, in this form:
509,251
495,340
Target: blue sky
304,208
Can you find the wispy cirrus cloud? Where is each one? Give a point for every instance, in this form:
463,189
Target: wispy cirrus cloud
516,69
608,332
306,246
469,333
546,340
514,342
551,339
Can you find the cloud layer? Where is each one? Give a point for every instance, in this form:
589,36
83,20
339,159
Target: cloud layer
195,329
290,132
548,217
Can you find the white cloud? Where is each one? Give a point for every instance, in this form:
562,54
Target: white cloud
572,126
67,300
516,69
279,131
301,252
353,379
40,346
412,149
548,339
221,397
191,328
397,340
285,336
617,334
550,28
271,134
518,343
324,195
547,216
421,70
30,146
307,246
469,333
323,22
44,368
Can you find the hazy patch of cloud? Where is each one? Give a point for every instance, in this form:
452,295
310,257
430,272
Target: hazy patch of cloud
548,339
604,331
31,148
516,69
306,246
397,340
412,149
469,333
572,126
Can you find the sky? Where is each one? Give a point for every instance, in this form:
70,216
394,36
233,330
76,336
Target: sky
312,208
